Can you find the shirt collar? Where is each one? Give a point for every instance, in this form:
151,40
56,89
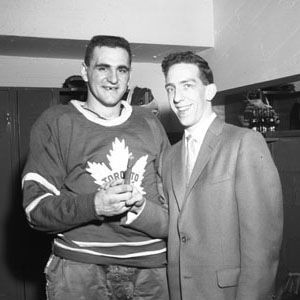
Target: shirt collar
199,130
125,114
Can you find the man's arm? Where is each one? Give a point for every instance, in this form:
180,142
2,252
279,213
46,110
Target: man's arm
48,205
152,216
259,200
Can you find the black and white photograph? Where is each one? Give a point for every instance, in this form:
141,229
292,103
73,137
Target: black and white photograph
150,150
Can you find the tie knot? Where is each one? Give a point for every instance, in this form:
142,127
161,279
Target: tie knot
190,139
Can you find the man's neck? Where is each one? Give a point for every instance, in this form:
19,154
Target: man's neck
104,112
207,116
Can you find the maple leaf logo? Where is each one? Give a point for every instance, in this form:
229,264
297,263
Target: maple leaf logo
118,159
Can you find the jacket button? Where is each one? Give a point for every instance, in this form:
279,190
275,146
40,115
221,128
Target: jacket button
184,239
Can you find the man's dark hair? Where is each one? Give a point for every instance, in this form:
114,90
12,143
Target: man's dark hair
189,57
108,41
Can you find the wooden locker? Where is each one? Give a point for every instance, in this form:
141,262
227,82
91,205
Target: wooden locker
31,102
23,251
11,264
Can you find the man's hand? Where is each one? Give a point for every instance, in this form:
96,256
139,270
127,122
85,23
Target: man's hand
136,201
111,200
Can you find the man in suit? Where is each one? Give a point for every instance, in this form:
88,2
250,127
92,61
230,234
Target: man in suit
226,212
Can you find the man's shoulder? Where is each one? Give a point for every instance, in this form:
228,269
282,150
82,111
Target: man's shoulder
56,110
54,113
142,112
237,130
236,133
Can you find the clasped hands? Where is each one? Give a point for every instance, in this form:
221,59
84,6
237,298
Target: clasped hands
115,198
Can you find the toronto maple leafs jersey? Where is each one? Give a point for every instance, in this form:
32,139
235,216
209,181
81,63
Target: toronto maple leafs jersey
73,152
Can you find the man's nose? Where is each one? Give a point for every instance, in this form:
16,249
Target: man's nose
112,76
177,97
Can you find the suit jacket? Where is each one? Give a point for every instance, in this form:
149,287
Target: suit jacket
225,224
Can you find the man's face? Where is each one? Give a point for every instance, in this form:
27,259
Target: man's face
186,93
107,75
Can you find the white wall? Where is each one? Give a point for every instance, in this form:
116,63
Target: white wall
36,72
173,22
255,41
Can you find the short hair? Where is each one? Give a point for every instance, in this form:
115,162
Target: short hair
189,57
108,41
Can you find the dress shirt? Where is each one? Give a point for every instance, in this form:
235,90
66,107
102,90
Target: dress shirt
197,133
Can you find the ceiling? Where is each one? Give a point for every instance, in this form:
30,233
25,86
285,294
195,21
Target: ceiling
74,49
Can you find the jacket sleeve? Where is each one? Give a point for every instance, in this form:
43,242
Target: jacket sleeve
259,200
153,220
48,206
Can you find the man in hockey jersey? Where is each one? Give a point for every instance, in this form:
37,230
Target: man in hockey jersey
73,187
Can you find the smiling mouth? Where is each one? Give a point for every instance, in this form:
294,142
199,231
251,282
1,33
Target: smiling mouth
109,88
183,109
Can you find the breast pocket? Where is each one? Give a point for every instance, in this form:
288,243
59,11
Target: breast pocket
228,277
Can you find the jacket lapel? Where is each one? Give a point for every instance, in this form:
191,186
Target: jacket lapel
178,173
210,141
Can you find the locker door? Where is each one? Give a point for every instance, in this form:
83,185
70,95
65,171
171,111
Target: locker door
31,103
286,153
11,273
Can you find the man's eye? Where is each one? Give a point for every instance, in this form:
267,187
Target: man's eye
101,68
123,70
187,85
170,90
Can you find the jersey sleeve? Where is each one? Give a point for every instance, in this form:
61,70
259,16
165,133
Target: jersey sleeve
48,206
165,146
153,219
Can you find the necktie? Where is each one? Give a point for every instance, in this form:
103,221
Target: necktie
190,155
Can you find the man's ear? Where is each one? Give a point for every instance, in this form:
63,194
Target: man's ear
84,72
210,91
